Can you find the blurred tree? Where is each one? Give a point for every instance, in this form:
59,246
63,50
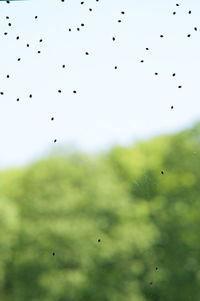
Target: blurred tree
119,228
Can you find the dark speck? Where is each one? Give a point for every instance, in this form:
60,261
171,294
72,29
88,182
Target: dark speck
172,107
53,253
151,283
99,240
189,35
162,172
59,91
161,36
179,87
30,96
189,12
55,141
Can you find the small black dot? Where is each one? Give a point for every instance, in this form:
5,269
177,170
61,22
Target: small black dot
39,51
70,29
40,40
174,13
53,253
55,140
90,9
172,107
19,59
7,17
62,0
8,76
147,48
119,21
189,35
156,73
1,93
9,24
115,67
151,283
179,87
162,172
174,74
156,268
82,2
59,91
74,91
161,36
189,12
82,24
122,12
78,29
87,53
99,240
142,61
17,99
195,28
5,33
52,118
8,2
27,45
30,96
177,4
113,38
17,38
63,66
36,17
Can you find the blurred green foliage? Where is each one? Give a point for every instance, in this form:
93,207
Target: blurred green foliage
148,224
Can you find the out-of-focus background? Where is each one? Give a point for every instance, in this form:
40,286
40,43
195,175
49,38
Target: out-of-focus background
110,210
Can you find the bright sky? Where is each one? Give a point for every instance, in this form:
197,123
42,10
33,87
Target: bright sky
111,106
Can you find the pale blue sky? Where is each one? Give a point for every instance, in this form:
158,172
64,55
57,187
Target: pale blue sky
111,106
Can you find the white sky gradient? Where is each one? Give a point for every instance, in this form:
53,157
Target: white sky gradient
111,106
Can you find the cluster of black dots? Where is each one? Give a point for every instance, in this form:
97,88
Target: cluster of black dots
82,25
